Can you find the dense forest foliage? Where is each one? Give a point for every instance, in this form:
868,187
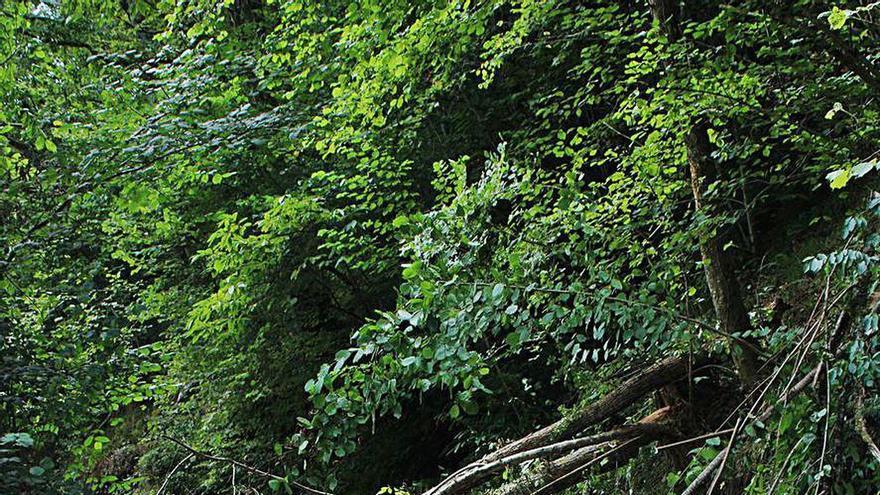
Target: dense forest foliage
439,247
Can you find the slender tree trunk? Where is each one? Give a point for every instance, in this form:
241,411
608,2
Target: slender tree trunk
726,298
666,13
723,287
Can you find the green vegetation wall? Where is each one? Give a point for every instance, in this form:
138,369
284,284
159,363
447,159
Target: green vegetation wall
506,246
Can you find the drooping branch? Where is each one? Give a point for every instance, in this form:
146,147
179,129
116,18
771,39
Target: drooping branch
246,467
849,56
174,470
842,50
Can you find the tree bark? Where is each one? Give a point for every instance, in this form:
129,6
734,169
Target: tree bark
862,426
629,392
557,475
726,299
551,439
729,308
476,473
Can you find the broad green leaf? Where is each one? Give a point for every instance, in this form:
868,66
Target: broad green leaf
837,18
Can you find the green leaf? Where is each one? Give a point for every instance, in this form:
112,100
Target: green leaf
497,291
400,221
838,178
785,422
708,453
454,411
837,18
863,168
470,407
17,439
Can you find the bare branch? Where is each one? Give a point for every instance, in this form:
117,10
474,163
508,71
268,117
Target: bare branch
246,467
862,426
174,470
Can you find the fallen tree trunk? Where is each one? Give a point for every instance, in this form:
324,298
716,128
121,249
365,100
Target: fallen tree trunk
557,475
552,439
476,473
629,392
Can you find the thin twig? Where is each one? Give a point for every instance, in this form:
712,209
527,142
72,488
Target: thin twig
546,489
779,475
726,455
825,435
246,467
174,470
694,439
